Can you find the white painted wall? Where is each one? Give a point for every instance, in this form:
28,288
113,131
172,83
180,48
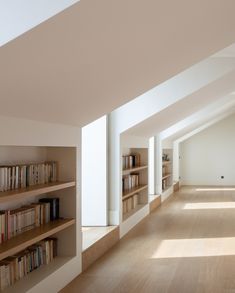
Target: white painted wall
132,141
158,164
209,154
176,161
17,17
94,173
152,165
14,131
167,144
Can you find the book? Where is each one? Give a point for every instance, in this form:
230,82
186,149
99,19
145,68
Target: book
20,176
54,207
16,267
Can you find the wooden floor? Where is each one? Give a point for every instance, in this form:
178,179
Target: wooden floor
187,245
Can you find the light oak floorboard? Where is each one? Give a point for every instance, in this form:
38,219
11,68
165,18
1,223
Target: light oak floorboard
187,245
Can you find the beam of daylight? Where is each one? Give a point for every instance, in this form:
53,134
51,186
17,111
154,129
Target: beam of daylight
201,247
216,189
209,205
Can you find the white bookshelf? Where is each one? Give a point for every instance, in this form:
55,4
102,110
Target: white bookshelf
64,229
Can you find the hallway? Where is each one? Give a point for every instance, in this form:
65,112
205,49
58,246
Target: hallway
186,245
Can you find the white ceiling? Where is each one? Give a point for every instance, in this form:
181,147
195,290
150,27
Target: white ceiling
201,125
185,107
97,55
227,52
17,17
199,120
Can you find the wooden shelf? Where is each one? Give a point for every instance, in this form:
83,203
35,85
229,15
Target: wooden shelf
134,190
22,193
166,176
126,171
167,187
152,197
22,241
35,277
166,162
133,211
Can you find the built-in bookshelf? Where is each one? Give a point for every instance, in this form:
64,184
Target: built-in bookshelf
52,188
167,179
134,180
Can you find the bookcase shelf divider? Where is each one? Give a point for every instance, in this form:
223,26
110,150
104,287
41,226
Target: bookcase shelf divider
133,191
34,190
127,171
135,180
22,241
61,188
167,169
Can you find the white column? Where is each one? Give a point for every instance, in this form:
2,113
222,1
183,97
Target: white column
158,164
152,166
176,161
114,173
94,173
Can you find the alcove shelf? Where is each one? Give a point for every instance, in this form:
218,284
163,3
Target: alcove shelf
127,171
64,188
28,238
133,191
166,176
134,180
133,211
23,193
167,169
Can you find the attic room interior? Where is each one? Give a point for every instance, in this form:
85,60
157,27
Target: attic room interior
116,146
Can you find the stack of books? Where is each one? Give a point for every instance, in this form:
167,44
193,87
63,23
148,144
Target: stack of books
130,181
21,176
164,185
17,221
130,161
129,203
15,267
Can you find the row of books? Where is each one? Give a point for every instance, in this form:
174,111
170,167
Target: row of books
21,176
129,203
17,221
164,184
130,181
165,157
130,161
166,168
16,267
165,173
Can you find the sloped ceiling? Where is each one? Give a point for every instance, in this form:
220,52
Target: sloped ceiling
207,116
185,107
17,17
200,125
97,55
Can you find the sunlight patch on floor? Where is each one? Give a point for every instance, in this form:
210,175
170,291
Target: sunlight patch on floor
216,189
209,205
195,247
